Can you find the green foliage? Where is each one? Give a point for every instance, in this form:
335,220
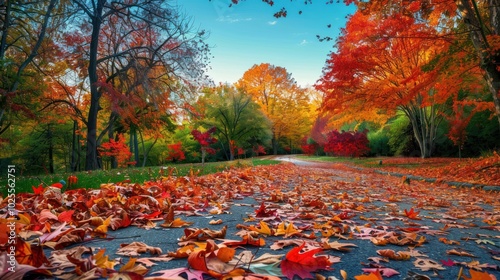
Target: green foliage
379,142
32,154
401,139
236,117
483,134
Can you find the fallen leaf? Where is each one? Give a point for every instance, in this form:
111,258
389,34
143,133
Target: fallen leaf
302,263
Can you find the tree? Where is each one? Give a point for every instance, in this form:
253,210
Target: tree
205,139
21,41
283,102
481,19
347,143
382,65
117,149
238,120
175,152
142,17
458,124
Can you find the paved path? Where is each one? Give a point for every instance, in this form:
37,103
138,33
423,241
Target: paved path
359,206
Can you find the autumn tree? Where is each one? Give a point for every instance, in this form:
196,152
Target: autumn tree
283,102
480,19
21,43
175,152
137,21
382,65
238,120
205,139
117,149
347,143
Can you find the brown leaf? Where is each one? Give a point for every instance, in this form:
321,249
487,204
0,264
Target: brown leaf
427,264
137,248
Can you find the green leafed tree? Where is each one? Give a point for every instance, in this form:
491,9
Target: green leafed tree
237,118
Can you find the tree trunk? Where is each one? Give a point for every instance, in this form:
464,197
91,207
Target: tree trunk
134,144
111,130
274,143
91,161
203,154
424,122
74,145
51,150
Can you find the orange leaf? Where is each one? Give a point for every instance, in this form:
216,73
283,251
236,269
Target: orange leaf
66,216
412,214
479,275
225,254
197,261
371,276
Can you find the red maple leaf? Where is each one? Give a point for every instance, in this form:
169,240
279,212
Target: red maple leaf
449,262
412,214
37,190
263,212
302,263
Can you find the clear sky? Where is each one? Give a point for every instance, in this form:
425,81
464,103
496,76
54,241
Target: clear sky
247,34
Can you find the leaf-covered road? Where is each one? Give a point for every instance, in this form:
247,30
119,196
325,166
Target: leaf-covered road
274,221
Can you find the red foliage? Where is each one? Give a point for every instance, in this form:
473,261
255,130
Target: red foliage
117,149
309,146
347,143
259,150
458,124
205,139
175,152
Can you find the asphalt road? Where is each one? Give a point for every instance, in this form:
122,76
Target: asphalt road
461,212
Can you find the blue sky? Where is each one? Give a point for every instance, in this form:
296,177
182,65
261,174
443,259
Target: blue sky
247,34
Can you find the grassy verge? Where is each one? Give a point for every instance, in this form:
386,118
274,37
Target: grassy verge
383,162
93,179
367,162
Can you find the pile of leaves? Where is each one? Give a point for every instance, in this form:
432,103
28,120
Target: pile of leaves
484,170
303,223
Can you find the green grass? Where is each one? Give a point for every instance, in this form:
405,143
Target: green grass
93,179
368,162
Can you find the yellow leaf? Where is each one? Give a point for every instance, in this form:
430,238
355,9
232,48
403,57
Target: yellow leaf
264,228
131,267
103,261
343,274
177,223
287,231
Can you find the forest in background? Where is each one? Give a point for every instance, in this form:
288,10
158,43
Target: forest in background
94,84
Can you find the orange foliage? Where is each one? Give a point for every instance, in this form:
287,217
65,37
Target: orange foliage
117,149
